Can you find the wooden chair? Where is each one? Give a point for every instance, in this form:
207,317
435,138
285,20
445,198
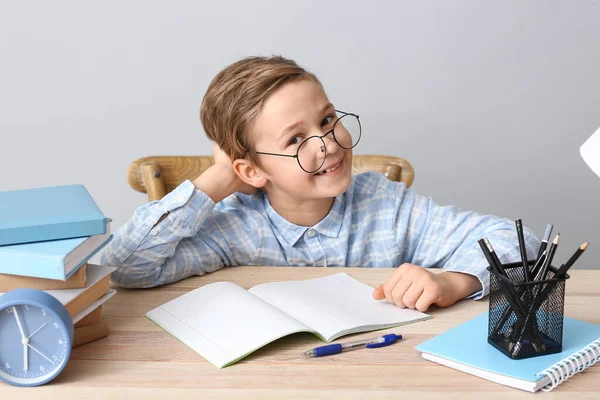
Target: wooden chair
158,175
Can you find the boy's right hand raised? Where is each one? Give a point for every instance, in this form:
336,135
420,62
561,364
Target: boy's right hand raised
220,180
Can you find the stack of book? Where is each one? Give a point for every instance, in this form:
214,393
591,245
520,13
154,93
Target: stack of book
47,237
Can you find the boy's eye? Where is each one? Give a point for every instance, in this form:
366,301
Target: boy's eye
327,120
295,140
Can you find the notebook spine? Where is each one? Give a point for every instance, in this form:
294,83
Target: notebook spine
569,366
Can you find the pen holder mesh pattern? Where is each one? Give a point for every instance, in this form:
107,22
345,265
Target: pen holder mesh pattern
526,318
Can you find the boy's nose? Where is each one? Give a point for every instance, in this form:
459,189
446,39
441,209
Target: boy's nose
330,143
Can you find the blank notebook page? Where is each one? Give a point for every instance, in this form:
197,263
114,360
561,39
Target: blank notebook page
335,305
223,322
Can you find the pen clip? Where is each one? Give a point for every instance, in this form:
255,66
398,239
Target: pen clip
387,340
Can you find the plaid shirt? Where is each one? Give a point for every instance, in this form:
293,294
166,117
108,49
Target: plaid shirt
376,223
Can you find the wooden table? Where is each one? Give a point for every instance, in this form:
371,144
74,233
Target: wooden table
140,360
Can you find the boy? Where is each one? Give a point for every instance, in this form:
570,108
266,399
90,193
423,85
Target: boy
288,198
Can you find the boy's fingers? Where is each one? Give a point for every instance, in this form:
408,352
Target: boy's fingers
390,284
399,291
412,295
426,300
378,293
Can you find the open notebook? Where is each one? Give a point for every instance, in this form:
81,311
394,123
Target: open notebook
466,349
224,322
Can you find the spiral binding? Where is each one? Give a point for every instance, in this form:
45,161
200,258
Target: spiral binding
569,366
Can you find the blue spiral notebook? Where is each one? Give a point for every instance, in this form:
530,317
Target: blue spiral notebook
466,349
49,213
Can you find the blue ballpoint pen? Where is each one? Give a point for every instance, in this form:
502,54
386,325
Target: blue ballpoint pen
372,343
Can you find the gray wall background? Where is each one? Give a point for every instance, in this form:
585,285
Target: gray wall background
490,101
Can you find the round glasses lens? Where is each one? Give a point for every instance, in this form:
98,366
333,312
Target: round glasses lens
347,130
311,154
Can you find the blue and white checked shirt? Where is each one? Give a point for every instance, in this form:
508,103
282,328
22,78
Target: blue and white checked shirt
376,223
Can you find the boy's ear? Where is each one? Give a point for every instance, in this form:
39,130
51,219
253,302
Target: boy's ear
249,173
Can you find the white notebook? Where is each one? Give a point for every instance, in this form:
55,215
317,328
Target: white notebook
223,322
94,274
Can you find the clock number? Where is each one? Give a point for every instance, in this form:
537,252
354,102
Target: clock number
42,368
55,325
43,312
9,310
60,341
55,358
7,365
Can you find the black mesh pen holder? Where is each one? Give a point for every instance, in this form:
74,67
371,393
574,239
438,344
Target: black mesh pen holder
526,318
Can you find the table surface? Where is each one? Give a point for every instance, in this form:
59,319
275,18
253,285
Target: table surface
140,360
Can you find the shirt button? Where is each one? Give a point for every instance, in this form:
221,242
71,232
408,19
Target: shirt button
154,232
311,233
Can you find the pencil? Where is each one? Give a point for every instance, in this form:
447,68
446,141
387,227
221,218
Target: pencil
545,239
495,257
488,256
548,262
535,271
522,249
563,270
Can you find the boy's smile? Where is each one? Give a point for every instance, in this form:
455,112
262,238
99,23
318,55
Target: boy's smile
293,113
331,169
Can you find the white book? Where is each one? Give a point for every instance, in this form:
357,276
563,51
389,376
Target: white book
86,311
80,302
223,322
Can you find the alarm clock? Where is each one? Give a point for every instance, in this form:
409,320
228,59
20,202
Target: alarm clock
36,334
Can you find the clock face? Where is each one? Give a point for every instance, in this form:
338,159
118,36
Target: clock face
34,344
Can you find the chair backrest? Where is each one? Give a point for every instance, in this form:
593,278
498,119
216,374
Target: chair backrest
158,175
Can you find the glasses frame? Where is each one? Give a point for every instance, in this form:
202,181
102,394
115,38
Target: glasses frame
324,147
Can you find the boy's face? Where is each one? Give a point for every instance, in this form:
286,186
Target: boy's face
293,113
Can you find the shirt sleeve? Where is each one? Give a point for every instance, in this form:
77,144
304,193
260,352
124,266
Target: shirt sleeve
446,237
193,239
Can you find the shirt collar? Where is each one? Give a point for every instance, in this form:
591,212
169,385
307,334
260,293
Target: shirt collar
332,223
329,226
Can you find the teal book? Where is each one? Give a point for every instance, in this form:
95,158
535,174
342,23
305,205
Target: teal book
49,213
466,349
54,259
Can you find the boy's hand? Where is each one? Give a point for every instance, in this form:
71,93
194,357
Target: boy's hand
412,286
220,180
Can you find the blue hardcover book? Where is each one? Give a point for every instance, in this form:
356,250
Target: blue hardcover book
54,259
49,213
466,349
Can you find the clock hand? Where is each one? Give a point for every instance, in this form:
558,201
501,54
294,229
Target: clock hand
37,330
25,361
19,322
37,351
25,342
24,339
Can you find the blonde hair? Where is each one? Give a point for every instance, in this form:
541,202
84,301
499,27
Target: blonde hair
236,95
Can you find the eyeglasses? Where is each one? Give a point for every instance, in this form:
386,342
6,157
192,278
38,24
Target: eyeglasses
312,151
